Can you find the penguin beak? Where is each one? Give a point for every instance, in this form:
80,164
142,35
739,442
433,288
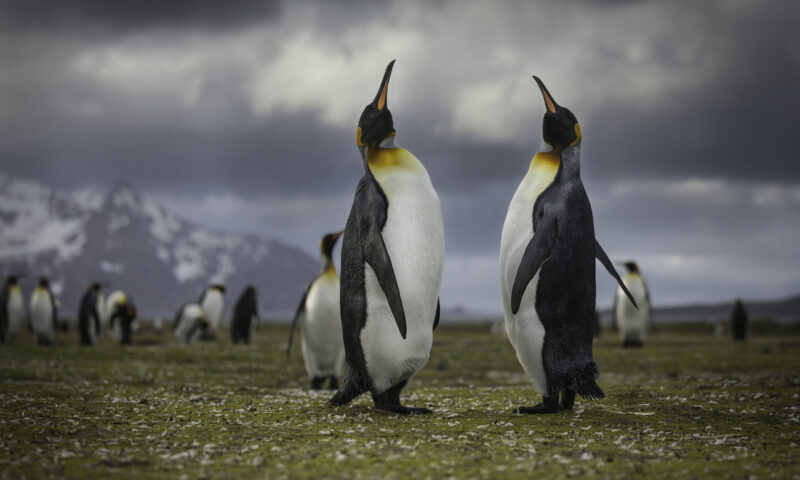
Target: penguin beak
548,99
380,98
337,235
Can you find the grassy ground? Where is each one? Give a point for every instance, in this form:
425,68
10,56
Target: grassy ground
685,406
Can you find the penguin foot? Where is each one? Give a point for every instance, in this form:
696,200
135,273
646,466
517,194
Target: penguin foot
403,410
537,409
333,383
316,383
548,405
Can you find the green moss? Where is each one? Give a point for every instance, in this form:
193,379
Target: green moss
683,406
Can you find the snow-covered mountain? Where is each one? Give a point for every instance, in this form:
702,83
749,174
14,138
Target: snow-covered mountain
135,244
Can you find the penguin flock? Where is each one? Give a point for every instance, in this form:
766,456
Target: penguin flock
378,319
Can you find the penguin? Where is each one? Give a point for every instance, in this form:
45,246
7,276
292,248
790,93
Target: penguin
121,313
739,321
190,323
44,313
88,316
245,315
318,311
12,308
632,322
547,268
392,256
213,302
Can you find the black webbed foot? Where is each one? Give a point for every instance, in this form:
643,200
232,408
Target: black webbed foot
403,410
548,405
316,383
333,382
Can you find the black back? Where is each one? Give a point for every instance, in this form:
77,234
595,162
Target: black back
88,317
566,291
739,321
243,312
4,293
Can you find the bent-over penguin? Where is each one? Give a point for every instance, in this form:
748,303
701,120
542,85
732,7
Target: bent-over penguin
190,323
318,311
121,313
392,256
547,268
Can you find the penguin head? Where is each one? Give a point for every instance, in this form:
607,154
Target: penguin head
560,128
630,265
12,279
95,286
376,123
327,243
44,282
220,287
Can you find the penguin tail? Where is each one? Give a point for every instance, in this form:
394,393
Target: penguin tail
584,382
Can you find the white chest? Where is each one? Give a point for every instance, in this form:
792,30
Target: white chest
213,304
16,306
41,311
632,322
414,237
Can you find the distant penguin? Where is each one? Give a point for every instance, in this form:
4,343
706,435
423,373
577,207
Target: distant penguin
121,313
44,313
213,302
245,316
739,321
631,321
12,309
101,310
392,256
318,311
547,268
190,323
88,317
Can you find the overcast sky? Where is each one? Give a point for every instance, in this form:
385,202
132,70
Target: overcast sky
243,118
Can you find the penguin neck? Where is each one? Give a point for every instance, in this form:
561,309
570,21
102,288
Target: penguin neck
327,266
570,166
372,154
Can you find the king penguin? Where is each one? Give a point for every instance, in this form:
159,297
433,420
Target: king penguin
88,315
245,316
213,302
190,323
44,313
121,313
632,322
12,309
318,311
739,321
547,268
392,256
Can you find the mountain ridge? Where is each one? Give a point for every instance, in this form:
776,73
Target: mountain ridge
138,245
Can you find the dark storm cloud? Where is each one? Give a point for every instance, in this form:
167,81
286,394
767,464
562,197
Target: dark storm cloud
242,115
121,15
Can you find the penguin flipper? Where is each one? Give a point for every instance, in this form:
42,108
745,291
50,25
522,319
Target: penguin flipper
536,253
436,318
601,255
299,315
377,257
